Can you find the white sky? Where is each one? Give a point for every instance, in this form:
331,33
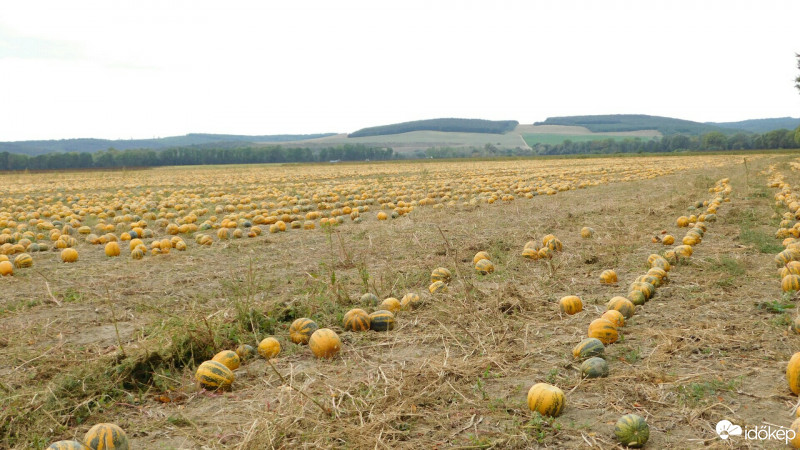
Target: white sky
141,69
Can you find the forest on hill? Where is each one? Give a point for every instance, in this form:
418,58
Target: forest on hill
447,125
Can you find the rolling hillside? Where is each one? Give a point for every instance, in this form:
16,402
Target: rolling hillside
635,122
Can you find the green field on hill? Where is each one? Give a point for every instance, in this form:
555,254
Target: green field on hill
555,139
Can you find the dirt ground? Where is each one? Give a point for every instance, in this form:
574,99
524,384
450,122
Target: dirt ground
118,340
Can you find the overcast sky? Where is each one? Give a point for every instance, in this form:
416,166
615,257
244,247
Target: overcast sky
143,69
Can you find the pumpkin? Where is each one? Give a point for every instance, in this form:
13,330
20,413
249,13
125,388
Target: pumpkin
546,399
662,263
795,426
652,279
67,445
668,239
213,375
790,283
608,276
545,253
6,268
440,274
645,288
615,317
786,256
632,431
484,267
587,232
135,243
533,245
69,255
547,239
301,329
594,367
658,272
479,256
570,304
106,436
381,320
555,245
690,240
530,253
437,287
137,253
382,216
112,249
588,347
390,304
245,351
790,268
325,343
269,348
793,373
23,260
410,301
682,222
603,330
369,299
626,307
356,320
229,358
683,251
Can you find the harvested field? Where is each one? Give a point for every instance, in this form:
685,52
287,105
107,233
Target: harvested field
113,339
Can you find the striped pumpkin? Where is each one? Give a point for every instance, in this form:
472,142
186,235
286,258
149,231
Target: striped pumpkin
554,245
390,304
484,267
137,253
587,232
614,317
356,320
67,445
608,276
668,239
793,373
644,287
106,436
245,351
437,287
658,272
229,358
325,343
603,330
588,347
547,238
381,320
655,260
655,281
790,268
269,348
784,257
479,256
23,260
440,274
570,304
790,283
530,253
301,329
545,253
410,301
546,399
632,431
623,305
594,367
369,299
213,375
684,251
535,245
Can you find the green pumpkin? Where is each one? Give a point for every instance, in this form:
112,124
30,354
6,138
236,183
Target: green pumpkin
632,431
67,445
381,321
369,299
637,297
588,348
594,368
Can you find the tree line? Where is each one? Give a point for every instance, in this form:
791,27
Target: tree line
184,156
451,125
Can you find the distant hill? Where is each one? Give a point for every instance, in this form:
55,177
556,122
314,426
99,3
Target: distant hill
34,148
633,122
761,125
444,125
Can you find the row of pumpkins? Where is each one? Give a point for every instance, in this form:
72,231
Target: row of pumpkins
788,262
631,430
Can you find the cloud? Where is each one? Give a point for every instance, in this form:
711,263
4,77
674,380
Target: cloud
14,45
